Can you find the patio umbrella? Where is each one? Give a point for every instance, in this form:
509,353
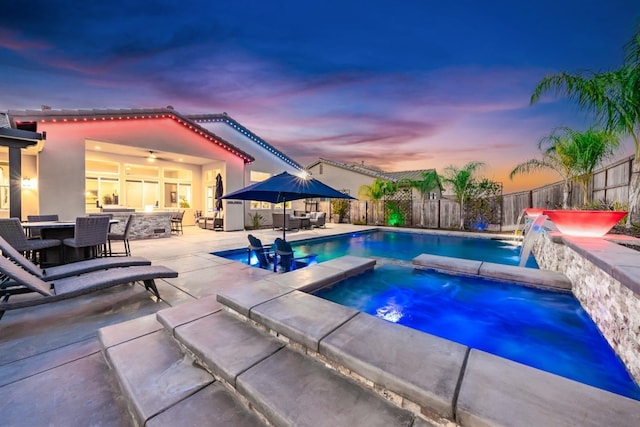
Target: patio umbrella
284,188
219,192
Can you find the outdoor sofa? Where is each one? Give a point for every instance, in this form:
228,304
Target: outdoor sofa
285,221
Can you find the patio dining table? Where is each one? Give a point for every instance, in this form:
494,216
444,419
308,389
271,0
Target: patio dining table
55,230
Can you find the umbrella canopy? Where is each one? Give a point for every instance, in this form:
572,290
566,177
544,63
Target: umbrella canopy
219,192
284,188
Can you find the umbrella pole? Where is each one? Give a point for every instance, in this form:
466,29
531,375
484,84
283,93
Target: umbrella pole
284,218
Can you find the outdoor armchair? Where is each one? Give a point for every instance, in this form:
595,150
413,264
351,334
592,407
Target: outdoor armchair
263,253
288,261
318,219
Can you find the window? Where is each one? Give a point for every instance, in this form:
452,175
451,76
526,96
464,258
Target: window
321,168
102,191
141,193
256,176
177,188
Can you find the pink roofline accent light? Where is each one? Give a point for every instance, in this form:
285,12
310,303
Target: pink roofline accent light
584,223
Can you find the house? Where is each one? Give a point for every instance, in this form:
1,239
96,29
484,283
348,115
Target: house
147,160
349,177
268,160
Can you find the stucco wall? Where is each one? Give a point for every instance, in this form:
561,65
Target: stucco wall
613,306
61,170
341,179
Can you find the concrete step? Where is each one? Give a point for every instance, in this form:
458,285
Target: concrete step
161,384
284,386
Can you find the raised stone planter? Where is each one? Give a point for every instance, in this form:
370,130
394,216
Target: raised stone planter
606,281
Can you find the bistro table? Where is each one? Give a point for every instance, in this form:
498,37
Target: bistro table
55,230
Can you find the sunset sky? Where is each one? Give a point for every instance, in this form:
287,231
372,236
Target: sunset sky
412,84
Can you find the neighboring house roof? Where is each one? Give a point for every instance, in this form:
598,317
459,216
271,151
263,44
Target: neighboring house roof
373,171
225,118
18,116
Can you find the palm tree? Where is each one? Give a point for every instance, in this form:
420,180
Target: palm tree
428,182
375,192
589,149
614,98
460,180
573,155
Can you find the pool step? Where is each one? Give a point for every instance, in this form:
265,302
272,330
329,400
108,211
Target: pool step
280,385
283,357
162,385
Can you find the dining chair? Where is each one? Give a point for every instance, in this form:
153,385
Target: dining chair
12,231
176,222
35,233
124,237
90,235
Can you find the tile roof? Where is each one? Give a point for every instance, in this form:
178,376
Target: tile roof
225,118
126,114
374,171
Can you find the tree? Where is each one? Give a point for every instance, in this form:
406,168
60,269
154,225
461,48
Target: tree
614,98
378,189
573,155
460,181
588,150
429,181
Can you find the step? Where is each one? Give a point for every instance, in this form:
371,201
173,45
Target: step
434,378
162,385
247,359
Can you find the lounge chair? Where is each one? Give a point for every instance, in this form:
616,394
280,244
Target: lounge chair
287,260
21,281
71,269
262,252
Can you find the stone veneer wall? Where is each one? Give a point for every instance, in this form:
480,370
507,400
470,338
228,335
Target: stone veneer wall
146,225
613,306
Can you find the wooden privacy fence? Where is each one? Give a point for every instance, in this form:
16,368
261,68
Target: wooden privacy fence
608,185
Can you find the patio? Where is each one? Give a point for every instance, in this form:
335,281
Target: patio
51,368
52,371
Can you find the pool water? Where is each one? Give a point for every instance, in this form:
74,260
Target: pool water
402,246
544,329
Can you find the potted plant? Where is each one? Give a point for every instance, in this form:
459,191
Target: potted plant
256,220
340,208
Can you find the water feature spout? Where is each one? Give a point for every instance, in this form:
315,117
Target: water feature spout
530,237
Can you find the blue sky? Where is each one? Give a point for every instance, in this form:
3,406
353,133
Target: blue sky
400,85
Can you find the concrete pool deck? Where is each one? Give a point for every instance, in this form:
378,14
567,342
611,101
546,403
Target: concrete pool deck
52,371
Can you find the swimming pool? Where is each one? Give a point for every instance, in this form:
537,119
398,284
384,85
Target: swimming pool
402,246
544,329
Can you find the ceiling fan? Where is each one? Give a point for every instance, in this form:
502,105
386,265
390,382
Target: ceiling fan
154,155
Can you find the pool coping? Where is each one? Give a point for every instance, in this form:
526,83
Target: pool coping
457,383
538,278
